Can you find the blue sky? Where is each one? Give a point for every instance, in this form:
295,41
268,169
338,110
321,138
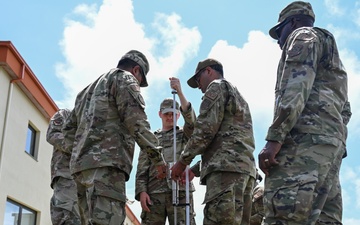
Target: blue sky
69,43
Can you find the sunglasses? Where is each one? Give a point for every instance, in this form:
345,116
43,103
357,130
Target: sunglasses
197,78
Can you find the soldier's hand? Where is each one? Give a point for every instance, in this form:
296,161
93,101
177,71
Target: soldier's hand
183,177
175,84
145,201
161,171
177,170
267,156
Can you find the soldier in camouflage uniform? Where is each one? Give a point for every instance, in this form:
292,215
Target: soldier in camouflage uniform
303,153
223,136
257,207
63,204
101,131
155,195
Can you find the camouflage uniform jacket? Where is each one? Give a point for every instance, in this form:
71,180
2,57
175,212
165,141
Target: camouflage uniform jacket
311,89
146,180
107,119
346,115
223,132
60,159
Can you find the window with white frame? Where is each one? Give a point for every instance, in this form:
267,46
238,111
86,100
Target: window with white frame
17,214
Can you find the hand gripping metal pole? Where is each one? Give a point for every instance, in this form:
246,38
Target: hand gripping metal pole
175,184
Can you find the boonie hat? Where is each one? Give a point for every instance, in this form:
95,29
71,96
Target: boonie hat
201,65
294,8
141,60
168,106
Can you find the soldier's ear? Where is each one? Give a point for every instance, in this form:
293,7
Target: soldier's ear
136,71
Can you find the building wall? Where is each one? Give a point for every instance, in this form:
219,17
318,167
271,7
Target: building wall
23,100
25,179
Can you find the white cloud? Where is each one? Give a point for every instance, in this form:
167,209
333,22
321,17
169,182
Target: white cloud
356,13
94,45
350,182
333,7
252,69
343,35
346,197
352,65
175,45
89,12
351,221
357,188
352,16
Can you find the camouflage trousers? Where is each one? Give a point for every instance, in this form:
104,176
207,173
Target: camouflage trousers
101,194
332,209
163,208
228,198
257,208
64,209
304,188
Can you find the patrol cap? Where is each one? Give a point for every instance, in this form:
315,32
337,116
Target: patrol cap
167,106
141,60
294,8
201,65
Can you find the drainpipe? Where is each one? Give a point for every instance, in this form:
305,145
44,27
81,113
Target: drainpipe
8,104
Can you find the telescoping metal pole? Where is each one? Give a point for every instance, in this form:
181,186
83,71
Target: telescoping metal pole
187,196
175,184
